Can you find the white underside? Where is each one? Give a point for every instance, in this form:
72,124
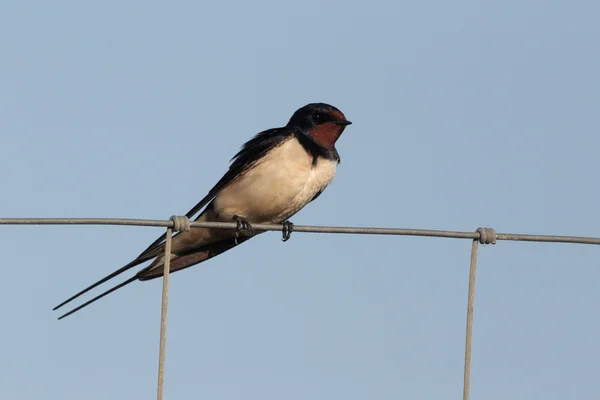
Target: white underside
280,185
283,182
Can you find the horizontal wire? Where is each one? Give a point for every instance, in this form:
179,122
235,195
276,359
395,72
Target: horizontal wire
316,229
301,228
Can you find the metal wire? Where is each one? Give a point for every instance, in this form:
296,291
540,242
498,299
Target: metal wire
482,235
163,315
469,334
301,228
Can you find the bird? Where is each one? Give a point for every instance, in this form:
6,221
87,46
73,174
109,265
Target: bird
274,175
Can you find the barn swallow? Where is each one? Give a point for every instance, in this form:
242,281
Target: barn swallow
272,177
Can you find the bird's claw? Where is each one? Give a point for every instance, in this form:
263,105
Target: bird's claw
242,224
286,231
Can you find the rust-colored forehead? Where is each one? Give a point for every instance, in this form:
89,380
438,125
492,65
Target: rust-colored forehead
336,114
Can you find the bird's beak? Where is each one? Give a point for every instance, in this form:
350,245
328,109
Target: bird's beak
342,122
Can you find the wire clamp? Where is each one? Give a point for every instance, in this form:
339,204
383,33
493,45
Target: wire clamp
181,223
487,235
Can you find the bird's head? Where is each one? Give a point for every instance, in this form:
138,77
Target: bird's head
320,122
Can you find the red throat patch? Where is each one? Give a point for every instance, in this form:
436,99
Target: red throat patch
326,134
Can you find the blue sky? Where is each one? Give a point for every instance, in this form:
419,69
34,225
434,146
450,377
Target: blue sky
465,114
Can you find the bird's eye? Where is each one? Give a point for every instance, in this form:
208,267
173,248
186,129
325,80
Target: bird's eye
318,117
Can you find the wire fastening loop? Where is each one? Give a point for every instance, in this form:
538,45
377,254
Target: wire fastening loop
181,223
487,235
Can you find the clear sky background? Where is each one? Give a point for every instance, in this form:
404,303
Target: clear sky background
466,114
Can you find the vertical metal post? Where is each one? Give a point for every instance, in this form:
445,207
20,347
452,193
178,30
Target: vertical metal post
163,315
469,335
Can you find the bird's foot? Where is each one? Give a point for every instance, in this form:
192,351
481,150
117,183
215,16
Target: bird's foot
286,231
242,224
